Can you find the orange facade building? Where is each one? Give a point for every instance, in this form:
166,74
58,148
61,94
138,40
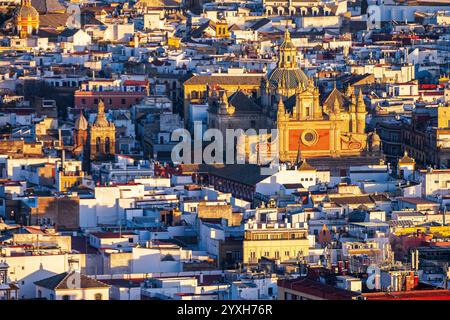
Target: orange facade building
330,127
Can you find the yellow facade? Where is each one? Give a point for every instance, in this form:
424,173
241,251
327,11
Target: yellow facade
26,19
443,231
443,116
68,181
280,244
174,42
222,29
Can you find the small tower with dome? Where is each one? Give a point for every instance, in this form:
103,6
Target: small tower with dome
26,19
406,166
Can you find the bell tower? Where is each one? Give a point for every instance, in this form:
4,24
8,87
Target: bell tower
287,53
102,136
361,113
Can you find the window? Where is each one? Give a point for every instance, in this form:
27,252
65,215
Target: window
309,136
39,294
98,296
97,144
66,297
52,297
107,145
123,101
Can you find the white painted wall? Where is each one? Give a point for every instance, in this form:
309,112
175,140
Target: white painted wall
25,270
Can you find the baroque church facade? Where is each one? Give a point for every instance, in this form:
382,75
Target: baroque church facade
96,141
331,126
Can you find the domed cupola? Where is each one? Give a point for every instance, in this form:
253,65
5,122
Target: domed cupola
26,19
287,73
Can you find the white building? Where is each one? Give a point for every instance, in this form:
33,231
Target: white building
71,286
305,175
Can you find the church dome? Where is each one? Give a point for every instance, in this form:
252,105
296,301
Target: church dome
287,74
291,78
26,12
81,123
406,159
26,19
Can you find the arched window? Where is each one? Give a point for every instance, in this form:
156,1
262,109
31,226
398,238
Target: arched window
98,296
107,145
97,144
